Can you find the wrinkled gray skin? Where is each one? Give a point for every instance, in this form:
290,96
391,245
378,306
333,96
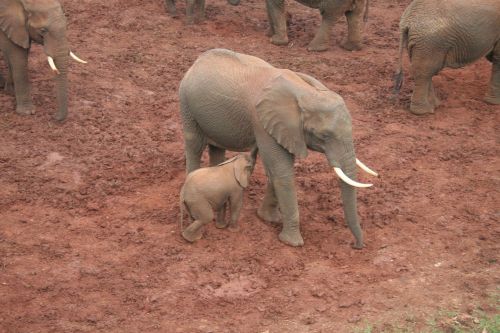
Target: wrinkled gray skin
331,10
212,188
233,101
195,9
451,33
21,23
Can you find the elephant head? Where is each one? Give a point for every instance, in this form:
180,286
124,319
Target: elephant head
42,22
300,113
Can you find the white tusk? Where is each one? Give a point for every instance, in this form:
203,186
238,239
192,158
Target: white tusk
76,58
348,180
52,64
365,168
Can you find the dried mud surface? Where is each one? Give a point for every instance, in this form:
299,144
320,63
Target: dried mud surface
89,233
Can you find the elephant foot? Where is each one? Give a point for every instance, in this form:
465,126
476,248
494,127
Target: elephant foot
25,110
60,116
291,237
317,46
8,88
351,46
221,224
495,100
234,227
192,235
421,109
358,245
279,40
271,215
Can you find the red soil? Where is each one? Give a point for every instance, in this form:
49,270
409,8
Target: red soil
89,233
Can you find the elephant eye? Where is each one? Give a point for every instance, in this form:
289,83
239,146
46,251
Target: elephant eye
43,31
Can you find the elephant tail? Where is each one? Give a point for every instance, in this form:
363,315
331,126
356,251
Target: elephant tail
398,76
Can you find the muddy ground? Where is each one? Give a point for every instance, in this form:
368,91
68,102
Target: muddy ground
89,232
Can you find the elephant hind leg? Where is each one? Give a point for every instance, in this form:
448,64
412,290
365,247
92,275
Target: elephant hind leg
277,21
194,139
202,213
355,26
322,37
493,96
424,66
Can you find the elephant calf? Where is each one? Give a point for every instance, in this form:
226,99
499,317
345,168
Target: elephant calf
452,34
211,188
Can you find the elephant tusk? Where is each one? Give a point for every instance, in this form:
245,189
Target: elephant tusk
76,58
365,168
348,180
52,64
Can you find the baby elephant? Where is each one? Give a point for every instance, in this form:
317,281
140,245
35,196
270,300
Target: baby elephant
209,189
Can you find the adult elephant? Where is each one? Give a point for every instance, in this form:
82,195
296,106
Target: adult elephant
235,101
41,21
452,34
356,12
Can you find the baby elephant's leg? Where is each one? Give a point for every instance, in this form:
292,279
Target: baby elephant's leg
236,201
220,221
202,213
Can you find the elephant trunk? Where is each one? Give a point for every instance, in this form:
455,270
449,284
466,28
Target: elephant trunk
234,2
58,50
344,158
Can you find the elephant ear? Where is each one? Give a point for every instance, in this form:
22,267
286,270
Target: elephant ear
312,81
279,113
241,173
13,22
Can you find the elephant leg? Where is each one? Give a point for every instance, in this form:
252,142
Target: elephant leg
202,213
220,220
424,66
190,6
277,21
194,139
170,5
236,202
493,96
9,82
279,167
355,26
200,10
433,99
322,37
269,209
18,67
216,155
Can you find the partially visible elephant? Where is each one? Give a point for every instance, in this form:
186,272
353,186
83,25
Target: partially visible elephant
195,9
41,21
235,101
452,33
356,12
215,188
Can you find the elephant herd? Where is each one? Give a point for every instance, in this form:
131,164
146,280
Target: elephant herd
237,102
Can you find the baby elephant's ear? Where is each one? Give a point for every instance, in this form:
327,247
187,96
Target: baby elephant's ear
241,172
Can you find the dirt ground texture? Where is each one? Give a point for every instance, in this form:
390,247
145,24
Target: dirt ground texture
89,213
